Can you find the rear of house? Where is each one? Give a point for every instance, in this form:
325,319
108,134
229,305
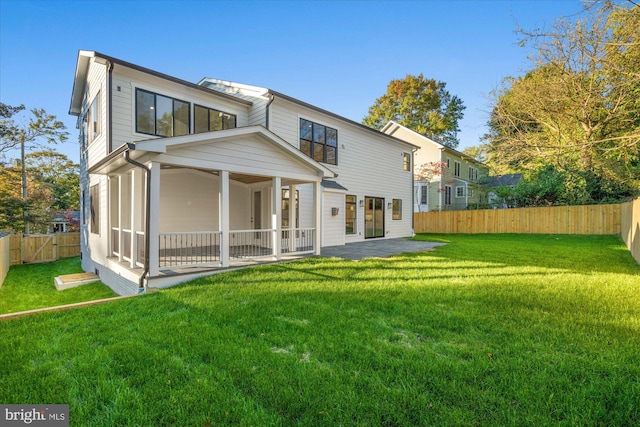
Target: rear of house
180,179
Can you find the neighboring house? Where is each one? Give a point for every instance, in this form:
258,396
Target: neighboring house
65,221
490,185
454,185
180,179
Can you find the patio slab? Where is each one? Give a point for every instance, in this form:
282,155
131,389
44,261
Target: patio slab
377,248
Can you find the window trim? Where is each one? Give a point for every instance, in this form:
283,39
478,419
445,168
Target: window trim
354,231
460,187
396,209
456,168
155,118
406,161
313,143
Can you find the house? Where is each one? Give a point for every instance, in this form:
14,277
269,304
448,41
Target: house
491,185
64,221
451,178
181,179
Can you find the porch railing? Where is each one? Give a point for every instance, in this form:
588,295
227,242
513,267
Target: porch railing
244,244
298,240
189,249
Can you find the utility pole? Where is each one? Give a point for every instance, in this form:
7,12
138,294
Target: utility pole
24,186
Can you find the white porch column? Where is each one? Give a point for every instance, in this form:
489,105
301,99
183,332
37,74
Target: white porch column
134,224
223,208
292,218
276,216
154,222
120,217
317,209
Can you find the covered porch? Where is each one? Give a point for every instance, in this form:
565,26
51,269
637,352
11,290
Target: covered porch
171,215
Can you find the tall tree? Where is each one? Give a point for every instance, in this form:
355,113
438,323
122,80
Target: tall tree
41,129
423,105
60,174
578,109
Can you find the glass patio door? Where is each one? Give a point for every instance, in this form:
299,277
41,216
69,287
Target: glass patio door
373,217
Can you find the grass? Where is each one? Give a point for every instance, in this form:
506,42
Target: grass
487,330
30,286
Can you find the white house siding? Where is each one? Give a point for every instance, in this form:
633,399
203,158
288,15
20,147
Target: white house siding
368,165
124,83
257,95
333,226
189,202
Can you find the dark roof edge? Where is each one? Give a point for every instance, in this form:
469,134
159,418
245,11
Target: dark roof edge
339,117
113,155
171,78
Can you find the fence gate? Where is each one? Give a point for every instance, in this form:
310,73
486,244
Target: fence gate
39,248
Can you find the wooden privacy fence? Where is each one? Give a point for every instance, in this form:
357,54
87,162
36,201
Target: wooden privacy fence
43,247
588,219
630,225
5,257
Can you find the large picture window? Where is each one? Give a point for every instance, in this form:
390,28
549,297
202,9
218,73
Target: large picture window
207,119
319,142
161,115
350,214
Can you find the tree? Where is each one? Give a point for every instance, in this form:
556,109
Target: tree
578,109
423,105
41,129
60,174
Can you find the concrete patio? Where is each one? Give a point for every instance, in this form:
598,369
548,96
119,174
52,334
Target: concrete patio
378,248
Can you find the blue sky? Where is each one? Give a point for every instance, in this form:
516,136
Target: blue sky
337,55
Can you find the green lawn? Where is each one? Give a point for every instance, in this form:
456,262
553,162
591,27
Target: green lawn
487,330
30,286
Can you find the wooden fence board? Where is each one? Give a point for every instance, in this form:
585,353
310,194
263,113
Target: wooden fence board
590,219
44,247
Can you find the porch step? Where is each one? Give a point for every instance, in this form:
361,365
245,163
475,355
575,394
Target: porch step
68,281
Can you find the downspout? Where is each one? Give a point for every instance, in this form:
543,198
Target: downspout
144,278
266,119
109,109
413,192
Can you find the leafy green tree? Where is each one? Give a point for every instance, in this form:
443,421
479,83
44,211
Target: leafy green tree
41,129
423,105
60,174
577,110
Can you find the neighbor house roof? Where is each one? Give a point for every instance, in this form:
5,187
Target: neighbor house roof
392,125
501,180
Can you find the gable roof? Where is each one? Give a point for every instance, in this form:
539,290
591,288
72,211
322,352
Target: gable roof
116,159
82,68
266,93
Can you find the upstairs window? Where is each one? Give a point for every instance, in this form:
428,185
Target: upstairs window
319,142
207,119
456,168
406,161
161,115
93,120
473,174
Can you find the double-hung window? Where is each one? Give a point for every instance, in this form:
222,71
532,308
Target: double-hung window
456,168
447,195
207,119
460,191
406,161
424,195
161,115
319,142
